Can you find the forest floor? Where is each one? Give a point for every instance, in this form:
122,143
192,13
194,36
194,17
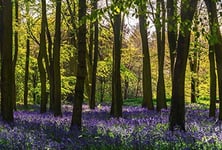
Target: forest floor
138,129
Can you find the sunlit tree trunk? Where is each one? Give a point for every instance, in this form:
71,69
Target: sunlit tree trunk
146,77
6,42
216,41
56,62
76,122
177,111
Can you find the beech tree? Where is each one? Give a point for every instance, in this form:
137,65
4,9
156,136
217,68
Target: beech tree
6,34
56,61
177,111
147,83
76,122
42,58
216,45
117,100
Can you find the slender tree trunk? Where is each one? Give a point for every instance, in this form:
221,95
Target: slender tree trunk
160,32
41,58
217,43
27,60
177,111
117,100
172,29
213,82
147,83
15,55
6,61
76,122
26,72
56,65
95,60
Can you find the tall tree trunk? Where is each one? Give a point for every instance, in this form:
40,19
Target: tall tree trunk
172,30
41,57
177,111
76,122
26,72
194,63
56,65
95,59
147,83
213,81
15,55
217,43
27,59
160,32
6,61
117,100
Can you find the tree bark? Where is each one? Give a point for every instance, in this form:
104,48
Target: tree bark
27,60
147,83
160,32
117,100
6,61
95,59
56,62
216,41
177,111
172,29
213,81
76,122
41,57
15,55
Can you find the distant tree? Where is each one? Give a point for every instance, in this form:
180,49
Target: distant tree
117,100
76,122
41,58
147,83
177,111
194,55
6,34
216,45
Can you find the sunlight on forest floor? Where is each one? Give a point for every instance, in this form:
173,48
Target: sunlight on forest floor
137,129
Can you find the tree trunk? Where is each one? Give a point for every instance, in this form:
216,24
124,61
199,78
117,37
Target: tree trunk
76,122
147,83
116,107
15,55
216,41
160,32
26,72
95,59
6,61
177,112
41,56
27,60
56,65
172,28
213,82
